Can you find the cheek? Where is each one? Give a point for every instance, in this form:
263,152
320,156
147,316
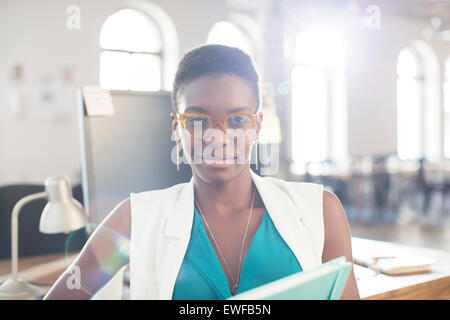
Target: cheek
187,143
243,146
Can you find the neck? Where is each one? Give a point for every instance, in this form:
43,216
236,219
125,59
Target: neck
227,198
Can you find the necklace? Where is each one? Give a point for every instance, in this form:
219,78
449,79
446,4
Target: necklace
235,280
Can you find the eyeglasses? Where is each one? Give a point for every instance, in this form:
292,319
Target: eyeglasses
235,121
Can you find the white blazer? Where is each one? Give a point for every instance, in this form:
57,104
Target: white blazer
161,223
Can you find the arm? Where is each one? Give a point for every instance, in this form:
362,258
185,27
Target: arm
338,239
105,253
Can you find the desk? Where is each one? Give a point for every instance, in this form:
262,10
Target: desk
41,270
435,285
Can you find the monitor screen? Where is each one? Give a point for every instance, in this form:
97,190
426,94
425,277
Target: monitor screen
127,152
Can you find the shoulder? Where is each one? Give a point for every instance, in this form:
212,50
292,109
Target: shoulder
151,207
330,199
299,187
307,196
155,196
308,193
157,193
332,207
337,229
119,218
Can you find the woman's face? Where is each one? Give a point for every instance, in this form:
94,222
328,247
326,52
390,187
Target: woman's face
217,97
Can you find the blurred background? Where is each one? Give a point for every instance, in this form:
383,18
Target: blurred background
356,95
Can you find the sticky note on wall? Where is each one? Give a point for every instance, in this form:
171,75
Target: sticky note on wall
98,101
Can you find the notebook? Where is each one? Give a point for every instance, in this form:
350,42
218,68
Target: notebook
325,282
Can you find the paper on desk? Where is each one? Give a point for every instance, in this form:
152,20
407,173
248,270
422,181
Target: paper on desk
395,265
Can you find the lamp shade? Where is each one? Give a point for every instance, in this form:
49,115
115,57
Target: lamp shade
62,213
270,132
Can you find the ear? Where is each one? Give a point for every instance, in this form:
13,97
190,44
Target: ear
174,119
259,118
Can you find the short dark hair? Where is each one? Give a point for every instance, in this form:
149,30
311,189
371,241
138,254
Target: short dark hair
214,60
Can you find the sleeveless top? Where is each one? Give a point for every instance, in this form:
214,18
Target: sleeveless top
201,276
162,222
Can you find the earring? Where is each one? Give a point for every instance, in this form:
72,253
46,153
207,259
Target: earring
178,156
256,154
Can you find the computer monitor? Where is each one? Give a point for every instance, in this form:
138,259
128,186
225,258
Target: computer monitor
127,152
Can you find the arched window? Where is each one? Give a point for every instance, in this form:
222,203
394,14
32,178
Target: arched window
230,34
447,109
409,105
319,113
418,103
132,56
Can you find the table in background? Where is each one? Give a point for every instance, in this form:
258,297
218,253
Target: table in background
42,270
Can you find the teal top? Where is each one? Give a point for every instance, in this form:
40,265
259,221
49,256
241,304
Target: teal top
201,276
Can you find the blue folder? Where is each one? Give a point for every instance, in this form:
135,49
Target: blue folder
325,282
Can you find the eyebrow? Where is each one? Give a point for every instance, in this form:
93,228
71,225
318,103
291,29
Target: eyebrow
239,109
195,109
200,109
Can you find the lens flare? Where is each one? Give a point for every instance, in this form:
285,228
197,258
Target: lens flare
109,258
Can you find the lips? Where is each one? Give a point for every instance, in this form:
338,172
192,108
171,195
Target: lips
212,158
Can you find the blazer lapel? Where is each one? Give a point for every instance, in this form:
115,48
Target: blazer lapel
287,218
177,235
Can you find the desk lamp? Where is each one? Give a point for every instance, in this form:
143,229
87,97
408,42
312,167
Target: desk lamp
269,136
62,213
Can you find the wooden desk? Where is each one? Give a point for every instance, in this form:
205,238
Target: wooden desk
41,270
435,285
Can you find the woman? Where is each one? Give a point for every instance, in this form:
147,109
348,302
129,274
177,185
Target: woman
228,230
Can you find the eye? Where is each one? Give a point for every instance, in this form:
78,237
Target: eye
197,118
238,121
203,122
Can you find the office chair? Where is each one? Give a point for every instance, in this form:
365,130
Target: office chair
428,188
381,180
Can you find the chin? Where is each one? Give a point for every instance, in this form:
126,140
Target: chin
218,174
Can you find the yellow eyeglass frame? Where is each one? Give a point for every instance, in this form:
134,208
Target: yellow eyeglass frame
183,116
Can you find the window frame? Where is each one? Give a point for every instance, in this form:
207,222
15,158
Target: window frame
420,80
160,54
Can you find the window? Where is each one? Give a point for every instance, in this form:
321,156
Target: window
132,56
447,108
319,112
409,105
418,104
230,34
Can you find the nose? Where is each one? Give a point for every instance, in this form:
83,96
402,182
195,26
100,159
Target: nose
208,137
220,124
